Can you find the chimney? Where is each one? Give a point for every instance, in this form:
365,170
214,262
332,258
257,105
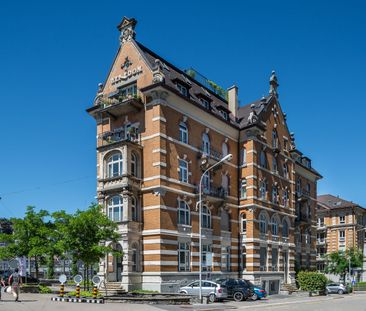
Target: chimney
232,96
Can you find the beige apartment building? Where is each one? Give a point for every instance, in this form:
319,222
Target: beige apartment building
340,226
158,128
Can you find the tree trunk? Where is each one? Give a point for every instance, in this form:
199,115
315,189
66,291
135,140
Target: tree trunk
36,264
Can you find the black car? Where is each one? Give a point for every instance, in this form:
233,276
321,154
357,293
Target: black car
236,288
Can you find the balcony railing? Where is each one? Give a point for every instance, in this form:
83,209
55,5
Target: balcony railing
321,241
217,192
212,153
118,135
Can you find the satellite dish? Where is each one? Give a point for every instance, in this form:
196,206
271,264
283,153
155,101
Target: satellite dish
62,278
13,264
96,280
78,279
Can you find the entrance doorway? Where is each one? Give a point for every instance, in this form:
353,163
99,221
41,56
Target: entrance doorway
285,266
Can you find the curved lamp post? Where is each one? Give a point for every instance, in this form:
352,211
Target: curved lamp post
226,158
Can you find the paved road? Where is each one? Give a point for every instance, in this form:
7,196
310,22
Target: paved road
34,302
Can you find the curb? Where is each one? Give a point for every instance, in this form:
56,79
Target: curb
78,300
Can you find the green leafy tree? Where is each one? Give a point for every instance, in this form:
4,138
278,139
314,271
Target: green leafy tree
339,262
312,281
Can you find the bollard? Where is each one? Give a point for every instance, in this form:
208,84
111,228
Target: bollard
62,290
78,290
95,292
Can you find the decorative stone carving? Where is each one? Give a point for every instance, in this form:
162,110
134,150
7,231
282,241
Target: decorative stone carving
127,29
273,84
158,74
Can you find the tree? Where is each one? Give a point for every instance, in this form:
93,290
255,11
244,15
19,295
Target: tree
85,235
339,262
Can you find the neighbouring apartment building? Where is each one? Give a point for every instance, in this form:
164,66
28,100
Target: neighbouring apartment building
340,226
158,128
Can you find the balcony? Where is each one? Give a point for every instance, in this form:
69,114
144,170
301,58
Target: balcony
303,218
119,182
118,135
209,157
302,195
321,241
115,107
218,193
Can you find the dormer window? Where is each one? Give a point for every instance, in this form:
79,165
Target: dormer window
182,89
223,114
204,102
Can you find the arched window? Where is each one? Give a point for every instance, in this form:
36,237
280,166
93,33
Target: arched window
243,189
263,223
206,217
262,189
183,133
114,165
263,159
206,182
206,145
135,257
115,208
274,165
183,213
225,149
274,225
243,157
183,170
134,164
225,221
285,228
285,197
244,223
134,209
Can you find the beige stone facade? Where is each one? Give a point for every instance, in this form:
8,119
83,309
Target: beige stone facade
340,226
158,128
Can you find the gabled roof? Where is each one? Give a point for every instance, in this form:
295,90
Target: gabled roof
328,201
257,106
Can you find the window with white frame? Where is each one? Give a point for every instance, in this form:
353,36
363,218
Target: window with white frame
128,91
225,259
206,145
274,139
298,186
263,189
243,223
134,208
182,89
183,257
183,133
115,208
285,170
262,224
307,236
275,194
243,156
183,213
206,217
285,197
285,229
206,182
342,235
134,164
224,149
263,159
342,219
114,165
243,188
183,170
274,164
263,258
320,221
274,226
206,252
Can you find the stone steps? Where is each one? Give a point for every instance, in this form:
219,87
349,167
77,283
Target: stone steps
112,289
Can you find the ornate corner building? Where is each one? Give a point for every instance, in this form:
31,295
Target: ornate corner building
158,128
340,226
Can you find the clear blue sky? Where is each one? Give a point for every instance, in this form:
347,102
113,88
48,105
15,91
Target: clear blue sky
53,54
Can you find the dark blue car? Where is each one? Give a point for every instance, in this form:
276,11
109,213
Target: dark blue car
258,292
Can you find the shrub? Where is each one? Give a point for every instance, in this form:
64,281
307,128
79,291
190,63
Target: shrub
144,291
312,281
44,289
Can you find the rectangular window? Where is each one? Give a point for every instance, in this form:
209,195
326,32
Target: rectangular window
206,182
183,171
342,236
183,133
183,257
342,219
243,189
183,213
321,221
182,89
206,258
225,259
263,259
274,259
128,91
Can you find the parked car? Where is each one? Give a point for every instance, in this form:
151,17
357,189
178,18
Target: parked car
258,292
237,289
338,288
212,290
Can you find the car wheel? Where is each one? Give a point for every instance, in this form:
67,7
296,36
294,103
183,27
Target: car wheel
211,298
340,292
238,296
255,296
183,292
326,292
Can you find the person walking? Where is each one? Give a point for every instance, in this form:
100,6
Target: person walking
15,280
2,284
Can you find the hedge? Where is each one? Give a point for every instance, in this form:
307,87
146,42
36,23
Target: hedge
312,281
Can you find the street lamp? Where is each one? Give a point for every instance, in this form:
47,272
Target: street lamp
225,158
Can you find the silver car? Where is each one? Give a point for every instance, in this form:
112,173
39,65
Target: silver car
210,289
336,288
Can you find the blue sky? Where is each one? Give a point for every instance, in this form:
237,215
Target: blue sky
54,53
